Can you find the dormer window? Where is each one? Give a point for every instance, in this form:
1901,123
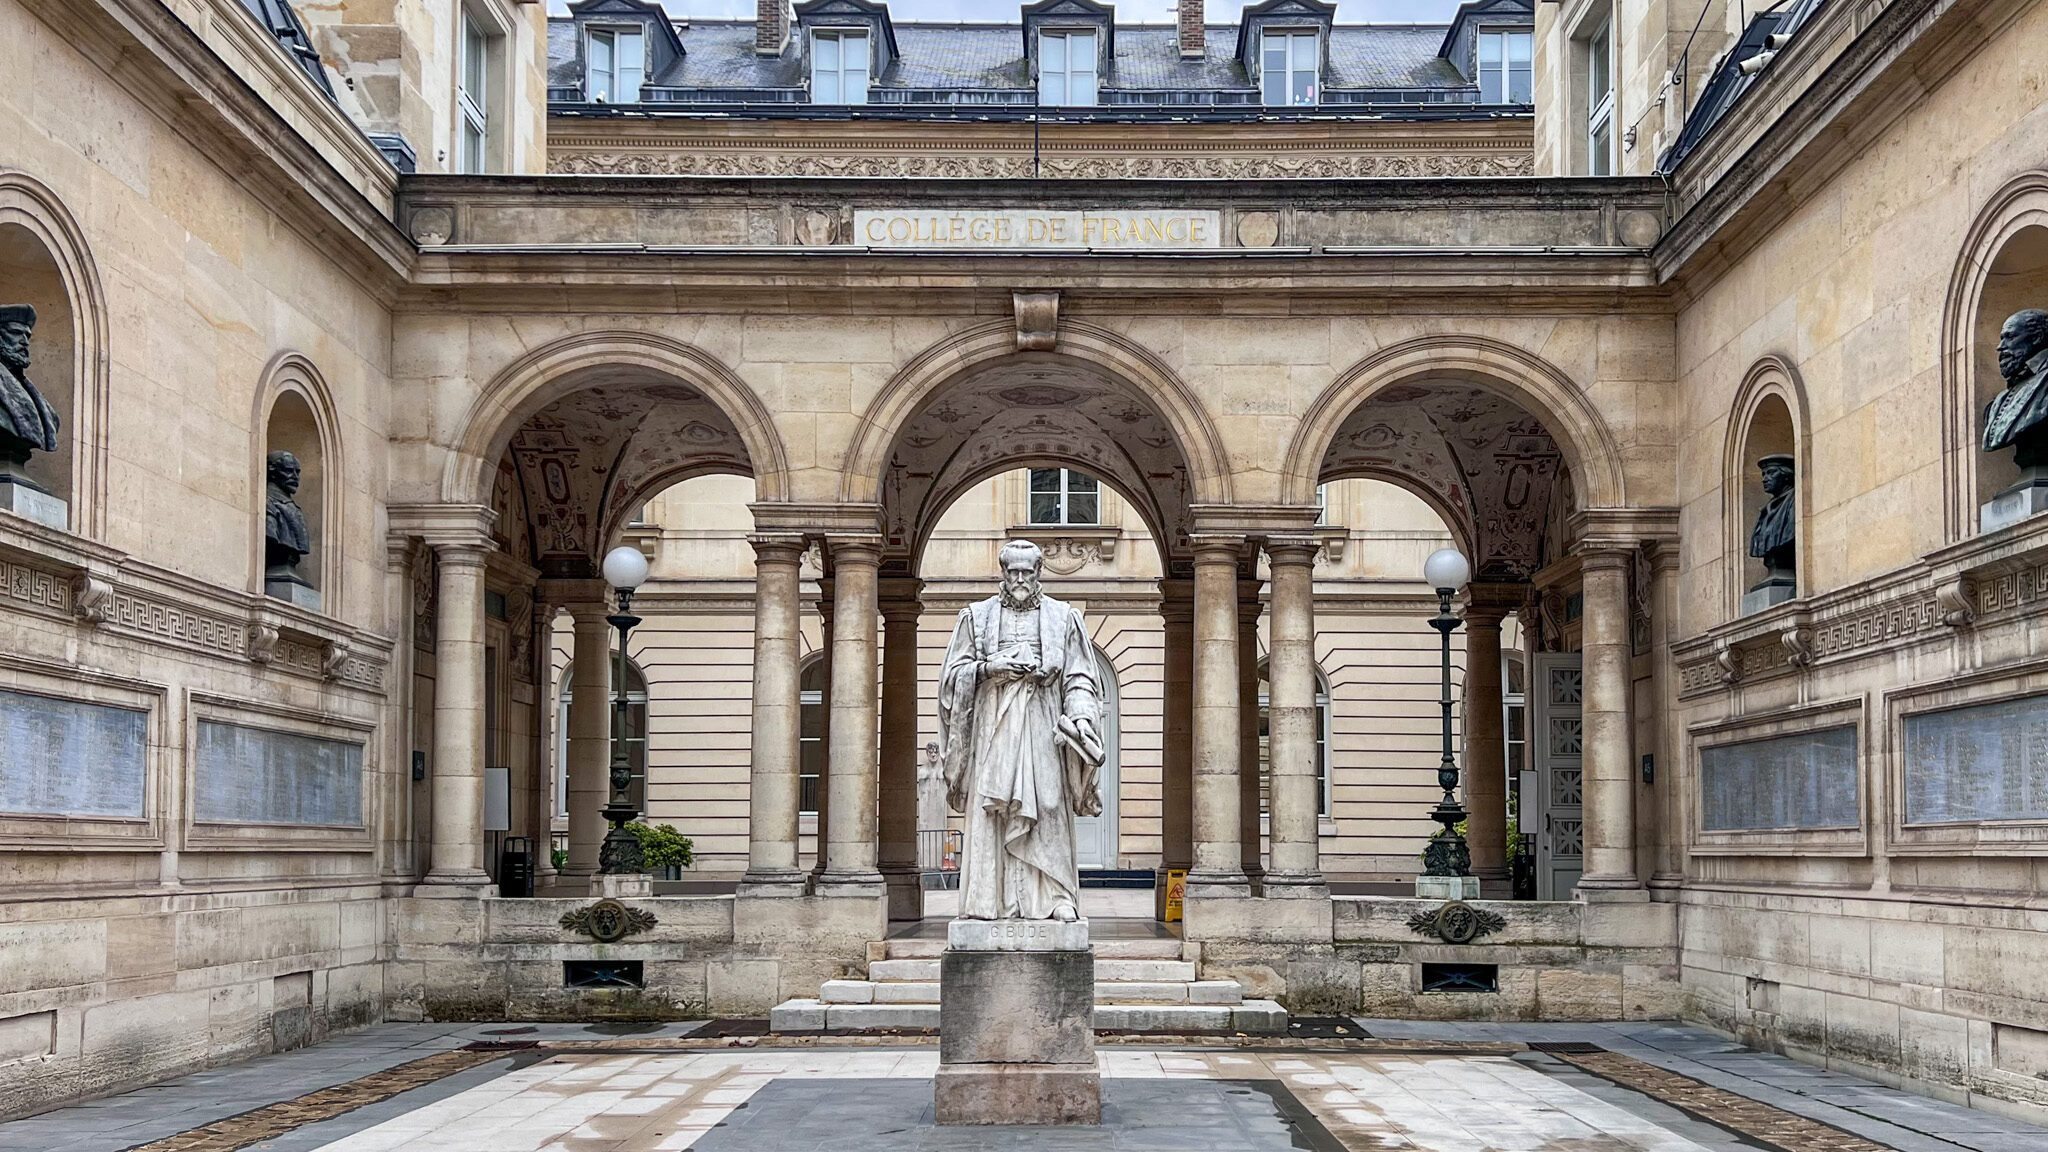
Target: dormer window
617,66
839,66
1067,67
1289,67
1505,72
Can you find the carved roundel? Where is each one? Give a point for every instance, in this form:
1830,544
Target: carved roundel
1460,923
607,921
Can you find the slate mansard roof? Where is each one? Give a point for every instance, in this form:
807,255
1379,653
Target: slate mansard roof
985,64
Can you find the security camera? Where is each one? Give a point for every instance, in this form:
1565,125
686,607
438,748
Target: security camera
1757,63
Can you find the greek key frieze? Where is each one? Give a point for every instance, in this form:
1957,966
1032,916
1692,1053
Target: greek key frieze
35,587
1886,622
211,633
2011,590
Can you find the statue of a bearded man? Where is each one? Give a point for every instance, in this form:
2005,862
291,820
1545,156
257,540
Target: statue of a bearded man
1019,708
27,422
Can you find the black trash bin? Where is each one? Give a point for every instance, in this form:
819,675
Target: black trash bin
515,867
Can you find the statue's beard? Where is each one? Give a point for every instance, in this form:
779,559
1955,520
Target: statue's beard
1022,600
14,355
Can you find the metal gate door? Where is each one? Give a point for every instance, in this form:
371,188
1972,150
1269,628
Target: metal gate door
1558,736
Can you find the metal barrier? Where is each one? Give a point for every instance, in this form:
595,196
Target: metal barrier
938,856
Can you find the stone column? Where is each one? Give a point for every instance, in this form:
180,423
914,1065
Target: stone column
772,789
1609,777
1664,790
1218,708
1294,797
1485,760
1177,780
590,737
898,849
540,812
850,859
1248,833
457,855
823,818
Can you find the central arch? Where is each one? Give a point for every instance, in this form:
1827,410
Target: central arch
958,356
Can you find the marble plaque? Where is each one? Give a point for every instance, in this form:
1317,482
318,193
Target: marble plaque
1982,762
257,776
1799,780
72,758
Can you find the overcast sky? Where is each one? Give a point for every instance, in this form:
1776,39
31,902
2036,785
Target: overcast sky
1127,11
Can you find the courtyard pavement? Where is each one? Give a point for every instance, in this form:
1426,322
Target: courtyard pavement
1640,1087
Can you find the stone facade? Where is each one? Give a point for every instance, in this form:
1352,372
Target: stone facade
487,374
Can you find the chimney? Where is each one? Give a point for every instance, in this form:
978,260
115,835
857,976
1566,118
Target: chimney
771,26
1188,19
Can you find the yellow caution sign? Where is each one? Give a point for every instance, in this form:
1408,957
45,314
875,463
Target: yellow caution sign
1176,891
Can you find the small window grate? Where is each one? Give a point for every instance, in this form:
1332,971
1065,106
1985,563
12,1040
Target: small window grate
1565,1047
1460,978
603,974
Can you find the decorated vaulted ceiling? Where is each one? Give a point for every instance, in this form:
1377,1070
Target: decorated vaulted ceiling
1487,465
1032,409
586,459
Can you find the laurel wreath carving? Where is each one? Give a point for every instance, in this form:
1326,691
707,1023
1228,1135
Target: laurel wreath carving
608,920
1456,922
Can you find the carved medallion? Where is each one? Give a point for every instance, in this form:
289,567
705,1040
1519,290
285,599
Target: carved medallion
1456,923
607,921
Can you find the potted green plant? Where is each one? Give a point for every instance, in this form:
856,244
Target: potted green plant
664,851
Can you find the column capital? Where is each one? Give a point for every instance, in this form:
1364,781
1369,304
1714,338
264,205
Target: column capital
1177,601
1488,603
898,596
779,547
1606,556
449,529
1595,530
813,519
862,549
1212,548
1301,550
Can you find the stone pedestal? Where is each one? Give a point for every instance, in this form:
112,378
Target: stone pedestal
19,496
292,591
2018,502
1775,588
1016,1024
1447,887
622,885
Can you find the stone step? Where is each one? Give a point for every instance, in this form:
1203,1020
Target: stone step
1175,970
1160,948
904,970
907,992
1212,992
1250,1016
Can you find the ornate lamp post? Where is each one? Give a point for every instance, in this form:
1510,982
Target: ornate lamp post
624,569
1446,570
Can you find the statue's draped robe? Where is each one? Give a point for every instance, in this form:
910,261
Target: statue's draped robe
1007,770
2020,408
24,412
286,537
1774,526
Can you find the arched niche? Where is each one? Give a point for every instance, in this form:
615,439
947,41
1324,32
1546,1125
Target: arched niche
1768,419
295,414
31,275
2017,278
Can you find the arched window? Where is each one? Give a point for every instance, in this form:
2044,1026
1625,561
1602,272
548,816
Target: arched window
636,734
1322,742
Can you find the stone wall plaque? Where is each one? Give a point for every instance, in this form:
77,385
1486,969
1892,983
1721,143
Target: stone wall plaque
1081,228
71,757
258,776
1980,762
1798,780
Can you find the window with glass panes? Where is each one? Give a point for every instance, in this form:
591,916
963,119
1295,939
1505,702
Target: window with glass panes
473,135
617,65
1288,68
1266,744
839,67
1600,103
811,735
1066,67
1064,496
1506,74
635,735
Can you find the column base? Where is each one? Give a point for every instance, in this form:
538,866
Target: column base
844,884
1665,886
1610,890
467,884
773,884
1297,886
906,893
1230,884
